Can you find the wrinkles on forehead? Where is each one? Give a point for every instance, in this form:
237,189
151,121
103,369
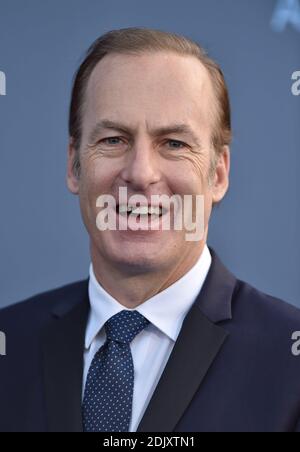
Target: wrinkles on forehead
158,90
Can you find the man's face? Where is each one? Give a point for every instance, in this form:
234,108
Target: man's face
145,93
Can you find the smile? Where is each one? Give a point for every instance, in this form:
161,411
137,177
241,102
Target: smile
140,211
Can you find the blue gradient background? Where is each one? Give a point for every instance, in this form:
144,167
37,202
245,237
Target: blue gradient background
43,243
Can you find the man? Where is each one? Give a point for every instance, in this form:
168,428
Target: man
161,337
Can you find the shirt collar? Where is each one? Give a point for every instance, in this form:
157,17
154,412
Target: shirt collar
166,310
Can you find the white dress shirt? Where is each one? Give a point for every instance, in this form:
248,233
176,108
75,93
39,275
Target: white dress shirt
152,347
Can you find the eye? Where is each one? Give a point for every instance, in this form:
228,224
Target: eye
180,143
109,141
105,140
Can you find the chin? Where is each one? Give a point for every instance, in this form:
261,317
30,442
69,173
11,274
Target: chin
139,257
139,261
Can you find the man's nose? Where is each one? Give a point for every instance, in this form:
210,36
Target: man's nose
141,166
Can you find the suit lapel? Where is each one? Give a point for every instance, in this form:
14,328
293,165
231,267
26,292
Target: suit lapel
63,349
194,352
196,348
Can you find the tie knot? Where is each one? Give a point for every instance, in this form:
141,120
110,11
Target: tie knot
124,326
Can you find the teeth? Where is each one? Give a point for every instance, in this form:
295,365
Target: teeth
124,209
155,210
142,210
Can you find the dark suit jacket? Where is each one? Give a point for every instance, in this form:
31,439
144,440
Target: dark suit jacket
231,369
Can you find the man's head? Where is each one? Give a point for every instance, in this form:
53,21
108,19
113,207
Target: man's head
133,85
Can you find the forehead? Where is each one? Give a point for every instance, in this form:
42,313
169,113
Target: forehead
154,86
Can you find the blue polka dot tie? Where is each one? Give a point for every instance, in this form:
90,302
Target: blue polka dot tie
107,402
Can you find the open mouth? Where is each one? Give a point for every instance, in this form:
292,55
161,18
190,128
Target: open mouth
151,212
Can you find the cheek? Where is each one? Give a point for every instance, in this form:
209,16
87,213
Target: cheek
97,176
90,188
199,165
189,175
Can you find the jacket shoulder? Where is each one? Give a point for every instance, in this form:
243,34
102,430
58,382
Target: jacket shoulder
38,307
260,311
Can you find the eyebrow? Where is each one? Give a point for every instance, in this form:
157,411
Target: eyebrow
178,128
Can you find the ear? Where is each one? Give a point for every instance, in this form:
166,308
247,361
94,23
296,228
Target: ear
221,177
72,179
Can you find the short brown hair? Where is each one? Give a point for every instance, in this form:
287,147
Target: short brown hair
135,41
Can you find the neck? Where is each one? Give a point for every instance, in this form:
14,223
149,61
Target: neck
134,289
